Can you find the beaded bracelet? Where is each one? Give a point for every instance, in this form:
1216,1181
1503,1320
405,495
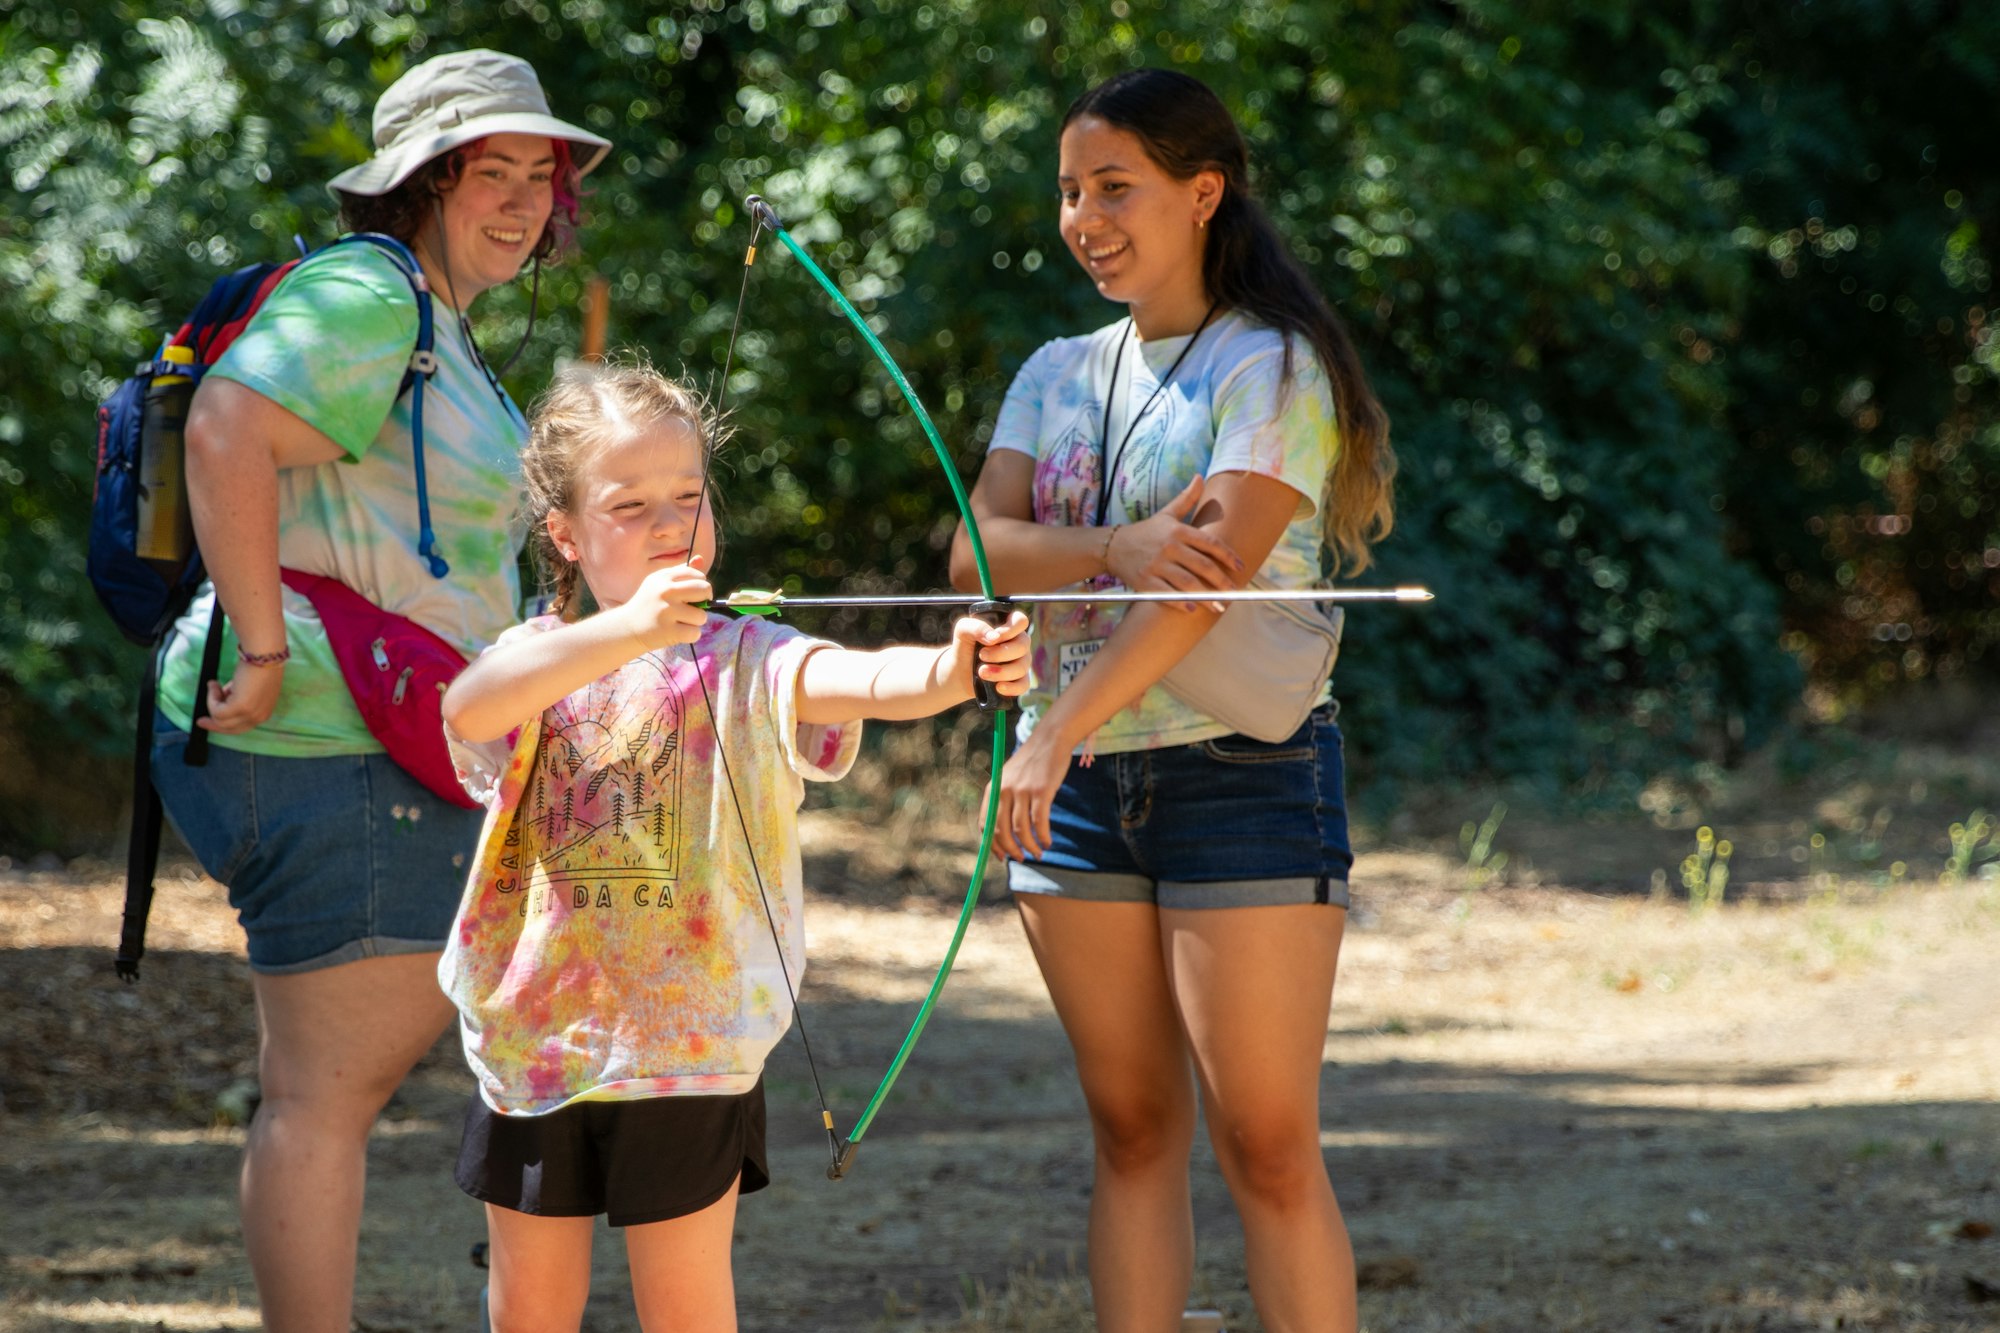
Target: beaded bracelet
278,658
1104,556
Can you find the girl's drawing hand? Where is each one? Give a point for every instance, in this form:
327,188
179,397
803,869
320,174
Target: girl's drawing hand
1165,553
666,608
998,653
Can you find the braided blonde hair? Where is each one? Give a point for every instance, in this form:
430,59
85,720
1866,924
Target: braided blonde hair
586,406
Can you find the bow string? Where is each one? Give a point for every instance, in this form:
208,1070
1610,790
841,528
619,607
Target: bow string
988,605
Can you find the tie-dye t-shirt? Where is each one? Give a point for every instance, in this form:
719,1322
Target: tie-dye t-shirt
1227,409
612,942
330,346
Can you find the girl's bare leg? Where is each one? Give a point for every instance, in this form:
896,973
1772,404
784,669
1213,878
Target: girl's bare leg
681,1275
541,1270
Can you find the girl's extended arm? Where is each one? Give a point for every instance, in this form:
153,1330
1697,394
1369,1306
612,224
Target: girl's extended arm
896,684
509,684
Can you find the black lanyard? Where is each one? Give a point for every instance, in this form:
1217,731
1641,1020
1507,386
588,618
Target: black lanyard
1110,472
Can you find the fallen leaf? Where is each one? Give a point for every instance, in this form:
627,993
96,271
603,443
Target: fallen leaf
1389,1274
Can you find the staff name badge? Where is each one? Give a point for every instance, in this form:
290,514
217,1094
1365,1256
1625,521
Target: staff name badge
1073,658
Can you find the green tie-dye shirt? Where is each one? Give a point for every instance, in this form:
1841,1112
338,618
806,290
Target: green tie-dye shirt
330,345
1228,408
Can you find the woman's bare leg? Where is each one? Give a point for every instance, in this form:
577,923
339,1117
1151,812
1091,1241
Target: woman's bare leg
1108,981
332,1046
1253,986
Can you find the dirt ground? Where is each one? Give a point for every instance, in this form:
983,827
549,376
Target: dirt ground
1556,1098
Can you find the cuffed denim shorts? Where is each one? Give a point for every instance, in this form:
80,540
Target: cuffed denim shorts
1229,822
327,860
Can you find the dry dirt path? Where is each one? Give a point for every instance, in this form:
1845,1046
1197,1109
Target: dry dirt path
1544,1110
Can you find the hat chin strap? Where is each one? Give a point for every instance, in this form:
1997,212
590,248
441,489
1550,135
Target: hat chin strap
465,324
534,303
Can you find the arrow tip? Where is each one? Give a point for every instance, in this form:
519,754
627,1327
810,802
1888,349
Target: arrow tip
1413,594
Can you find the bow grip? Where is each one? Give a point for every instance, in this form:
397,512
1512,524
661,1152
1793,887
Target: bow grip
984,692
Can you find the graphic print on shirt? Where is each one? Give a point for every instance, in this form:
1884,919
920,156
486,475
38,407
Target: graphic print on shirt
1066,480
611,943
1068,475
1136,490
604,804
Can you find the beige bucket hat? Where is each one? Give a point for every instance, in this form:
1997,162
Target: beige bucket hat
451,100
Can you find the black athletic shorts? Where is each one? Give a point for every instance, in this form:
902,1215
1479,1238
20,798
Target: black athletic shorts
636,1161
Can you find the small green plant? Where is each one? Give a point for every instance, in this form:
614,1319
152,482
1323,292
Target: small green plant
1705,872
1975,851
1482,864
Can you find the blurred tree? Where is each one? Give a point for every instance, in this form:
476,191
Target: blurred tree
1547,228
1865,401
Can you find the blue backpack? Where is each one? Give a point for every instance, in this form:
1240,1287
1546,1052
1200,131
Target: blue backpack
144,582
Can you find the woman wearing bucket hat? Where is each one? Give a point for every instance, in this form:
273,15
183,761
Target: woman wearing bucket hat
343,868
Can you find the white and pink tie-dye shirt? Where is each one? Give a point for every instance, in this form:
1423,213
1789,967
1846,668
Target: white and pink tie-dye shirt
613,941
1228,408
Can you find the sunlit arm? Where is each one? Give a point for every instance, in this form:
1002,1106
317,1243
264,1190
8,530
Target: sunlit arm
237,442
516,680
510,684
897,684
1162,553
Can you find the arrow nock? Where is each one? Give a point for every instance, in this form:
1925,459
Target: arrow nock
763,212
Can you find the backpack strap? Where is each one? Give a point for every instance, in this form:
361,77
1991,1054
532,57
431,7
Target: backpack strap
142,850
423,364
211,666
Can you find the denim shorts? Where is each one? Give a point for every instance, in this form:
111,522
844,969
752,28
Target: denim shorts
1229,822
327,860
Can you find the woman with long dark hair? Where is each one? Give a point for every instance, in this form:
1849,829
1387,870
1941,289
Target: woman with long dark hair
301,453
1174,814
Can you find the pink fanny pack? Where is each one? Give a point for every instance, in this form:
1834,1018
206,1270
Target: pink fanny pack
397,672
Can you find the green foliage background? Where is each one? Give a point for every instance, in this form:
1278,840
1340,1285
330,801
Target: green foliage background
1679,310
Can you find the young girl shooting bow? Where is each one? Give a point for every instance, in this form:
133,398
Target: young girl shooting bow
628,945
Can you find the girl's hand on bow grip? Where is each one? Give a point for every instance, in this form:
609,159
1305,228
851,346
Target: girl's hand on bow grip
1166,553
995,653
667,607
